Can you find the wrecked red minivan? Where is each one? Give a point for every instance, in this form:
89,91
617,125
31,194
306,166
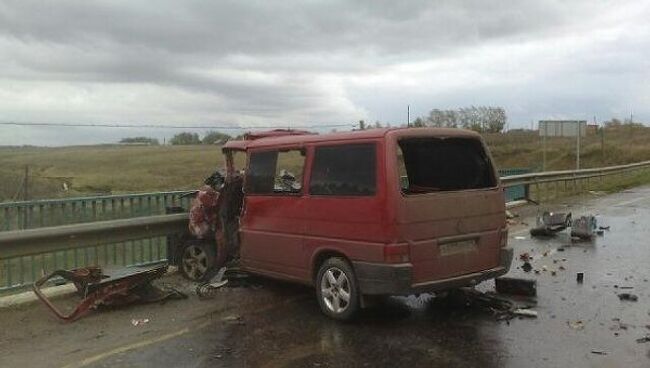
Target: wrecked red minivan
371,212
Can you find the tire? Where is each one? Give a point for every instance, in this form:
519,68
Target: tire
335,280
197,260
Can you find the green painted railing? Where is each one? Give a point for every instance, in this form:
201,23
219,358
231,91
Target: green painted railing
16,272
516,192
57,212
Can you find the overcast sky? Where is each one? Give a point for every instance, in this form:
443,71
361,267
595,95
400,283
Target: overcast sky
286,63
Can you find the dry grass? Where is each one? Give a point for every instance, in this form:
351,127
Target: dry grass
621,146
90,170
107,169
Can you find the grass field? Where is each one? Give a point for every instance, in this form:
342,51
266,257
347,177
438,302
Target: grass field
90,170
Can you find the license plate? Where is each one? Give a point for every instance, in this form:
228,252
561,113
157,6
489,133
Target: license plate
463,246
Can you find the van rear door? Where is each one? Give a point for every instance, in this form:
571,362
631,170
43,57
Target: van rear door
451,211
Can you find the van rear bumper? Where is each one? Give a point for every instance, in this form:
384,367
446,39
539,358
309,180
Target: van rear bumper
388,279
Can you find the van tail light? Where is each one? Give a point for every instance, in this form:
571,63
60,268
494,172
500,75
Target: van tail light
504,238
396,253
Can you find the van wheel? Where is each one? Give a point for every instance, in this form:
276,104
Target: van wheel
197,261
336,289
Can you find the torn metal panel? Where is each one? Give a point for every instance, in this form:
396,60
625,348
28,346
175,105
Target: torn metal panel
97,288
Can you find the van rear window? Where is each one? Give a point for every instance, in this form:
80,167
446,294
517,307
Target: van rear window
443,164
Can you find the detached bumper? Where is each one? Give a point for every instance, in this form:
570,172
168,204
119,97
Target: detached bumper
387,279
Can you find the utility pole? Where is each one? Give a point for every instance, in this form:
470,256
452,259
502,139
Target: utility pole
408,115
602,141
544,146
578,145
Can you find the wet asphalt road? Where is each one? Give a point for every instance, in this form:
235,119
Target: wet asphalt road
280,325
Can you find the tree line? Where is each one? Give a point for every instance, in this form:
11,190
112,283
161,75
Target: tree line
183,138
483,119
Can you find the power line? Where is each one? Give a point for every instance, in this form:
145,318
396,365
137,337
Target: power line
160,126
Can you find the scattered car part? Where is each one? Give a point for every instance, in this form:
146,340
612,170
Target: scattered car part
514,286
584,227
525,313
501,308
645,338
628,297
206,290
576,325
139,321
96,288
550,223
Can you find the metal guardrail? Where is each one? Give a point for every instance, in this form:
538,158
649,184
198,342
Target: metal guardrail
567,175
57,212
19,243
25,253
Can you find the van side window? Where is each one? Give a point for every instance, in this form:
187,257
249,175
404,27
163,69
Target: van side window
288,172
273,172
344,170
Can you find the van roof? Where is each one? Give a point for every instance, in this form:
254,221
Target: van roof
291,138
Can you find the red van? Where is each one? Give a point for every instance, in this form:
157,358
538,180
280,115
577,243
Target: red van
372,212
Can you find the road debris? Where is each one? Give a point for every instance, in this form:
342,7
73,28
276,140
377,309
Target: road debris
525,257
550,223
515,286
526,267
644,339
619,325
525,313
140,321
628,297
233,319
598,352
576,325
584,227
580,277
207,289
120,287
501,308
